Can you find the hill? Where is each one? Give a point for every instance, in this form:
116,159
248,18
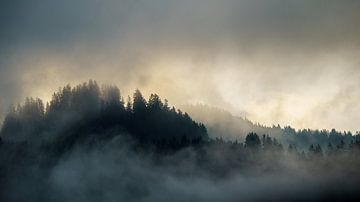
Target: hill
88,144
221,123
89,109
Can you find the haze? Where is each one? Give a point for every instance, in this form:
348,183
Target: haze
288,62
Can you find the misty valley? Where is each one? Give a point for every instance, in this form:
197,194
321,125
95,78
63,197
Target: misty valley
89,143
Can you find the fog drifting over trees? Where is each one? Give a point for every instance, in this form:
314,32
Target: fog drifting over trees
88,144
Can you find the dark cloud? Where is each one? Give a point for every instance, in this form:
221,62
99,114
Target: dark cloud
199,23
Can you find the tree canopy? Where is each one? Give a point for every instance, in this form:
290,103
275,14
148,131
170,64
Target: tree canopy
90,107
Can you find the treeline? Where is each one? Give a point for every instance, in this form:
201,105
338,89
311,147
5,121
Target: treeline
74,113
125,139
90,109
221,123
305,137
267,144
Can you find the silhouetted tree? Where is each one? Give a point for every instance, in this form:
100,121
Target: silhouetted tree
318,150
155,102
128,107
111,97
139,103
24,121
252,141
315,151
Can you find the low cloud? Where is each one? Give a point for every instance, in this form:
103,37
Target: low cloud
275,60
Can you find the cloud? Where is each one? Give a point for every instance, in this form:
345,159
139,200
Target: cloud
267,58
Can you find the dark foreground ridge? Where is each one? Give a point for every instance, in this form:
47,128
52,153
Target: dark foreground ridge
87,144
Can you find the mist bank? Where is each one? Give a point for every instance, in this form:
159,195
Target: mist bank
114,171
88,144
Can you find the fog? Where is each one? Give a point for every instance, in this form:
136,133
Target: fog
114,172
293,63
289,62
87,144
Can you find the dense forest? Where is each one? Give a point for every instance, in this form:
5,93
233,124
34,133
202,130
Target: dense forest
88,144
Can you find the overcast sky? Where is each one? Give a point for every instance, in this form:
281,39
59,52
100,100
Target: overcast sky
291,62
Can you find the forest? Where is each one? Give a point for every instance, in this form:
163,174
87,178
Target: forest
89,143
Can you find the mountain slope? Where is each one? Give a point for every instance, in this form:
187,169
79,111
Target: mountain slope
221,123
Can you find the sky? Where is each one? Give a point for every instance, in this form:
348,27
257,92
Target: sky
288,62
